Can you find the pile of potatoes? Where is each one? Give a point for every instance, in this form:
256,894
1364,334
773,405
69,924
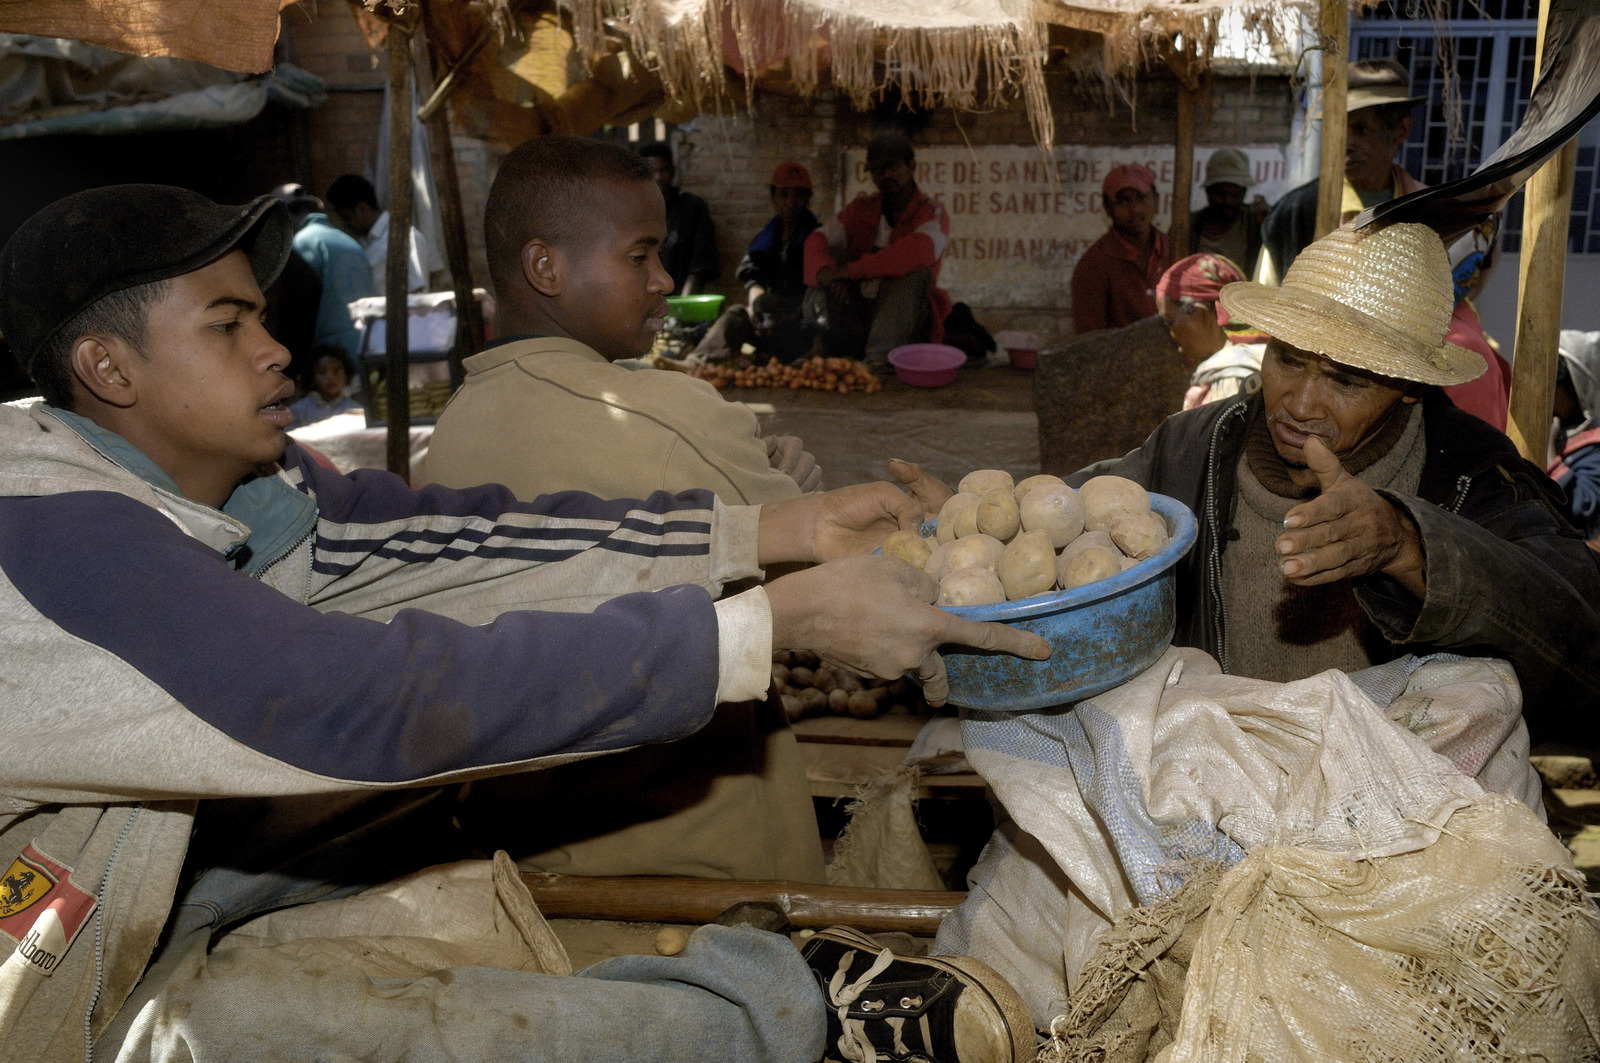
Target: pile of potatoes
810,688
1001,541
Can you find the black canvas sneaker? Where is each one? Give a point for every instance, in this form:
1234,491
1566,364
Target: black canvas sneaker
927,1009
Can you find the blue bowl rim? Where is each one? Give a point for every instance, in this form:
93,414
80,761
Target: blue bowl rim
1180,524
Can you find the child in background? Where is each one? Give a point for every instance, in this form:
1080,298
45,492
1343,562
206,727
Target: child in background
330,375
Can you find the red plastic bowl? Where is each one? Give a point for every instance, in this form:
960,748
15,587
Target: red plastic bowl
1023,357
926,365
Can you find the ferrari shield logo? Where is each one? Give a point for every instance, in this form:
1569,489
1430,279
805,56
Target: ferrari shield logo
24,884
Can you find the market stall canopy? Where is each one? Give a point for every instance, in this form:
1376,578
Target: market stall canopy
231,34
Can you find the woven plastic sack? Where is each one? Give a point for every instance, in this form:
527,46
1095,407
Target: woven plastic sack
1481,946
1109,800
882,846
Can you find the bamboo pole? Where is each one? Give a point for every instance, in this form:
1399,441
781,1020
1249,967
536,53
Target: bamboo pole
397,324
700,900
1546,212
469,315
1183,172
1335,22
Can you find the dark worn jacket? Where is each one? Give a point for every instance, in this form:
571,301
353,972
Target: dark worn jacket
1507,576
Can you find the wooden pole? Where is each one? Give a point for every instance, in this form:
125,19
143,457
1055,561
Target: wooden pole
397,323
469,315
1183,172
1335,19
1546,211
649,899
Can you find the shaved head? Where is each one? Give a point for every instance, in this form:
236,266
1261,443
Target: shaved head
545,188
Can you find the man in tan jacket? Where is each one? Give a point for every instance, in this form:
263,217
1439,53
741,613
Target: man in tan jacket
573,228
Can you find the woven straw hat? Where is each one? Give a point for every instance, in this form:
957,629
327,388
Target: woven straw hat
1379,301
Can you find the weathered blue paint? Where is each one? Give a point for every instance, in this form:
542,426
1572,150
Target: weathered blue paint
1100,635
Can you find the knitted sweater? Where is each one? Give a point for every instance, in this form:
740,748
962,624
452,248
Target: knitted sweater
1281,631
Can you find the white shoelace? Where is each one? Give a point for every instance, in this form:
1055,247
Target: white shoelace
853,1043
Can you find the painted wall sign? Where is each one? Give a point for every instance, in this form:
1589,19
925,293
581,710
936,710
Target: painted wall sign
1015,234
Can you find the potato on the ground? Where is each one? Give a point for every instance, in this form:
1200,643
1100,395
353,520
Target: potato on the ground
981,481
1106,496
838,701
1087,566
1028,566
1055,510
908,546
1138,534
958,516
975,551
998,515
1032,483
971,586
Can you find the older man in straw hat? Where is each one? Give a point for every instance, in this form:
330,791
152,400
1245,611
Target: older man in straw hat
1396,520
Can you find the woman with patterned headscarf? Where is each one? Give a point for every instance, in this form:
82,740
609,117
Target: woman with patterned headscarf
1225,354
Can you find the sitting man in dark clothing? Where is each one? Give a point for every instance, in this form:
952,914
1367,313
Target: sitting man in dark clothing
1398,523
774,263
773,274
689,254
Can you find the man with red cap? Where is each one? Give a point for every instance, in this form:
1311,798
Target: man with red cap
775,261
1114,282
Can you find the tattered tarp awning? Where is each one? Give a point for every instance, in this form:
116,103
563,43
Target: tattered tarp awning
52,85
233,34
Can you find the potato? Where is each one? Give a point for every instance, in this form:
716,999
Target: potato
800,677
1083,542
792,707
1044,479
908,546
812,701
1028,566
1056,511
823,680
1129,562
936,559
998,515
1105,496
982,481
1138,534
838,701
971,586
780,675
975,551
671,940
1087,566
847,682
958,516
863,705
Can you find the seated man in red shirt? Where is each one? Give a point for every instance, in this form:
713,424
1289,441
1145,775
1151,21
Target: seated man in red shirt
1114,283
878,261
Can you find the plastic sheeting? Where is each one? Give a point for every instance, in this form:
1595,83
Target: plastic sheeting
52,85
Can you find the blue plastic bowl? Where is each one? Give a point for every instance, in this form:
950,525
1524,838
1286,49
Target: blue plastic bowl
1101,635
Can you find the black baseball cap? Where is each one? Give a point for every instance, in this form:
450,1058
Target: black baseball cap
82,248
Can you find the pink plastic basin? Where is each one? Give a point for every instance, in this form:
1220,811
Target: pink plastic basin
926,365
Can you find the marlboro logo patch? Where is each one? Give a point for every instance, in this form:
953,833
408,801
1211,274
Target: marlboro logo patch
33,883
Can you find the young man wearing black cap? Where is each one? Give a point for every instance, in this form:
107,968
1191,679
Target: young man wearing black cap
878,261
228,671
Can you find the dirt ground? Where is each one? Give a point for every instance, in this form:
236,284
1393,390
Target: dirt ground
984,420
